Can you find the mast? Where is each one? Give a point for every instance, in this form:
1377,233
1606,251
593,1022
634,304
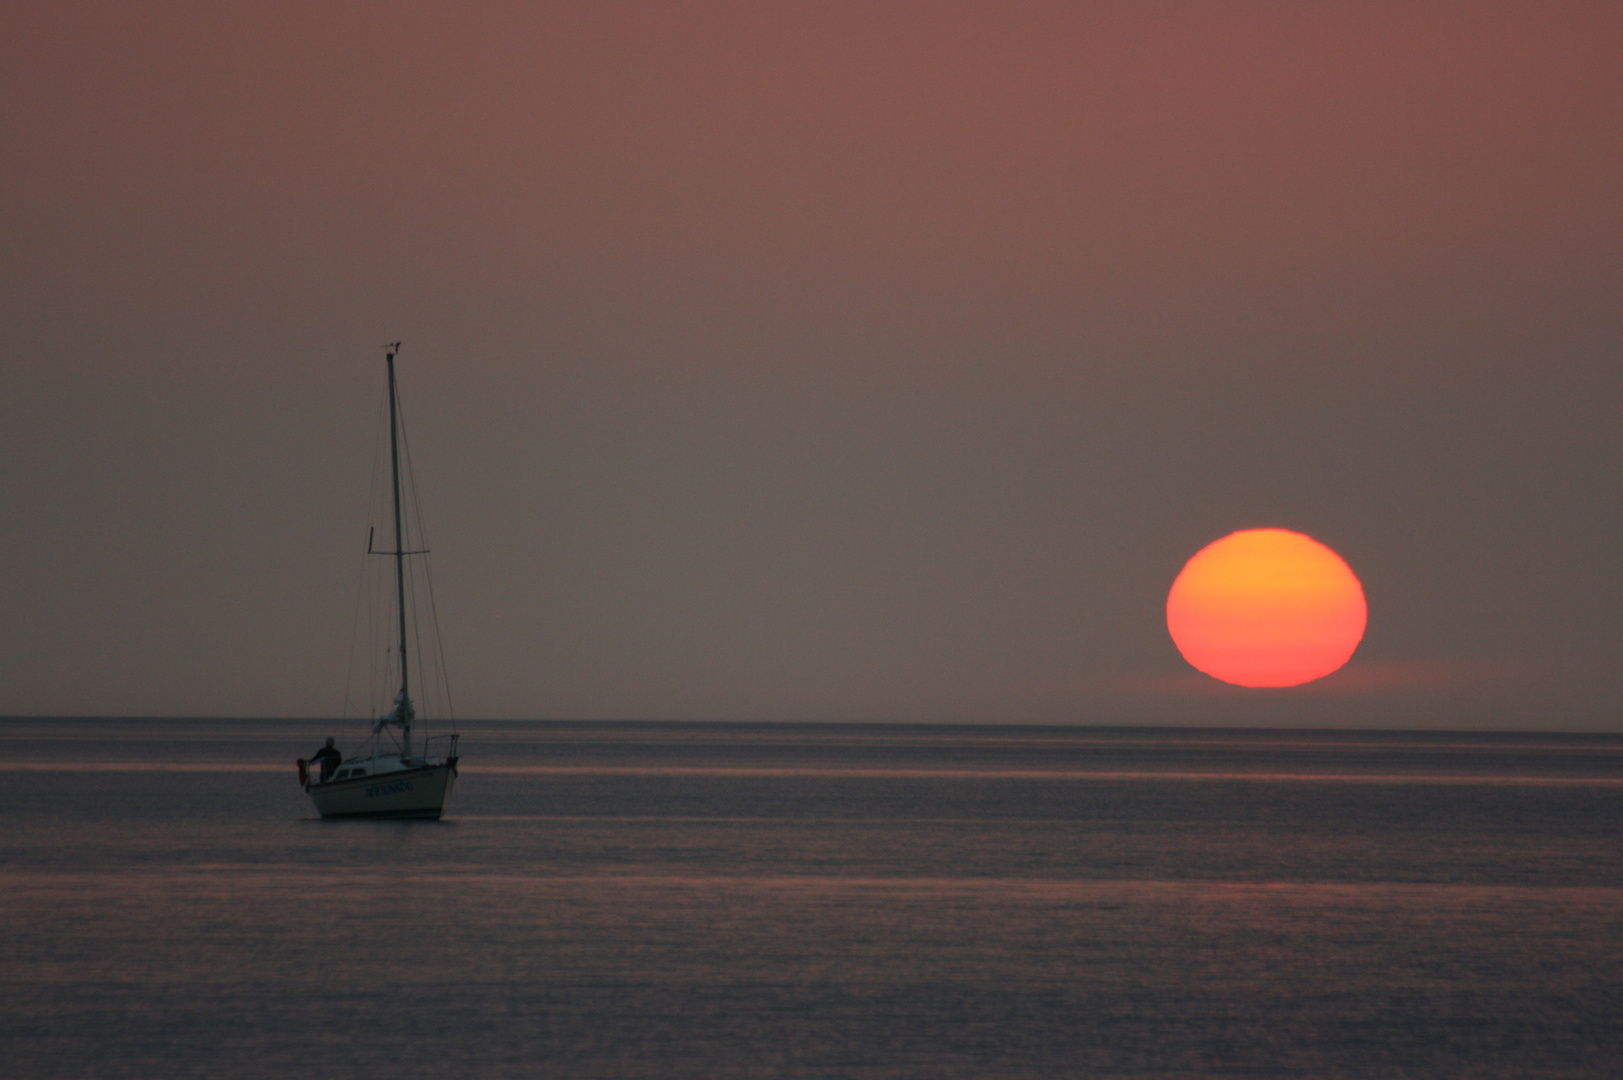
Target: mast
403,709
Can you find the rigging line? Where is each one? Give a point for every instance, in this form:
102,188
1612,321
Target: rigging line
382,648
384,645
411,513
437,644
354,635
415,642
382,579
377,655
445,674
414,522
362,581
394,651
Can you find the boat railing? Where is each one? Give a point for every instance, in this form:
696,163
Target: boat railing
310,773
441,746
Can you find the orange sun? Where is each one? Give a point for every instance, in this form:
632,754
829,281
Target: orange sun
1266,607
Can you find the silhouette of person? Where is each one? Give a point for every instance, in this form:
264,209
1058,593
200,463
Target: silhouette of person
328,758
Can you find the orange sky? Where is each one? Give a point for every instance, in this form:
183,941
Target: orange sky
812,361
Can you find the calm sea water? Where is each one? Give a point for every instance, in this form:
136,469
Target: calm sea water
864,901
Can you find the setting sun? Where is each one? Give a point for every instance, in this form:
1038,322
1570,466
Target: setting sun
1266,607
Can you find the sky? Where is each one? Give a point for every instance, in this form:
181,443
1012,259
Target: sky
824,361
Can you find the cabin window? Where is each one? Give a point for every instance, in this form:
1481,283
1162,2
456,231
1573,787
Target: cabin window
342,773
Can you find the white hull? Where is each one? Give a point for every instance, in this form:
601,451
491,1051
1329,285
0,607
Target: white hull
405,793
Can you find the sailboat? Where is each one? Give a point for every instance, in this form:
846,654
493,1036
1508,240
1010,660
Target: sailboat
397,776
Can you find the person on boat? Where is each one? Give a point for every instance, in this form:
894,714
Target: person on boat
328,758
